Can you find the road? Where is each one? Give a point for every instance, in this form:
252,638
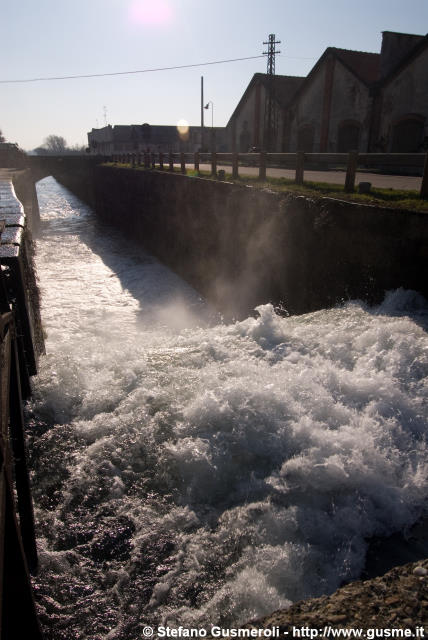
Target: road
332,177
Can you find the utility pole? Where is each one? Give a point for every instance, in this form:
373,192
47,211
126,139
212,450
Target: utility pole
271,111
202,113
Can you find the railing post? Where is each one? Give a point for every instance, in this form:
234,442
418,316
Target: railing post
351,171
153,160
262,165
146,160
133,160
160,160
197,161
139,159
424,184
300,163
235,170
213,163
182,163
171,162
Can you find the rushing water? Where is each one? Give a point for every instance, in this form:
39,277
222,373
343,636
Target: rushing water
192,472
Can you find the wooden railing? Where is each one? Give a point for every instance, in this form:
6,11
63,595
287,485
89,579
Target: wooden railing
297,162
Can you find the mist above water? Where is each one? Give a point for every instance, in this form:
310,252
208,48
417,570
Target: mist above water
194,472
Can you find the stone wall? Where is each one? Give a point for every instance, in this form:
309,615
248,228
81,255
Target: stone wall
242,246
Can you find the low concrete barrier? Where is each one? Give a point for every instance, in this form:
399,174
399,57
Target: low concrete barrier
242,246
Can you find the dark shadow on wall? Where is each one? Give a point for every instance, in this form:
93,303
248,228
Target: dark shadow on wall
241,246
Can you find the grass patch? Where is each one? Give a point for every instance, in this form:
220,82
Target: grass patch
392,198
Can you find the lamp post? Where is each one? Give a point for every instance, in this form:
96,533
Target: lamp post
207,106
202,113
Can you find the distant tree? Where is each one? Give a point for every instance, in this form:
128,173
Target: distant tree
55,144
2,138
77,149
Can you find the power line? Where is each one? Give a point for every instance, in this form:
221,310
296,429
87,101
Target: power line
123,73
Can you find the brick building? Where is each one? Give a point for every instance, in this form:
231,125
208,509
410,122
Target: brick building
350,100
246,125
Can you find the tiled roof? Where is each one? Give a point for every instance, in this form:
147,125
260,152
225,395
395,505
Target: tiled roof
364,65
285,86
399,49
285,90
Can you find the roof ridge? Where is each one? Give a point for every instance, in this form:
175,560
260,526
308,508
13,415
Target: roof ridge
405,33
366,53
277,75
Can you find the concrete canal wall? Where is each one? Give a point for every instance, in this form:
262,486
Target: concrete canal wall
241,246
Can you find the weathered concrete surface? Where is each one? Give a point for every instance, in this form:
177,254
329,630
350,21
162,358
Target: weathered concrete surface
241,246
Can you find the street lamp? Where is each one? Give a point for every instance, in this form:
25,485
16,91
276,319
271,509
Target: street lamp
207,106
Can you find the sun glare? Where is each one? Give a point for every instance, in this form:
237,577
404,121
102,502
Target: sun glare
151,12
183,129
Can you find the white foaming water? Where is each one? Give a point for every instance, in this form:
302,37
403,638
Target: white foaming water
192,472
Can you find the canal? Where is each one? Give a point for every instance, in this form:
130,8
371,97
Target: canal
191,471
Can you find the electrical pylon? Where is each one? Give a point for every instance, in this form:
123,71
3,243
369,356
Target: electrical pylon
271,110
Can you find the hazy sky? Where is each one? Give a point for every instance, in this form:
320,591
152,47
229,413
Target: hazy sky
42,38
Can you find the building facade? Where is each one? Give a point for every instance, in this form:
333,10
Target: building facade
331,111
401,96
137,138
246,128
350,100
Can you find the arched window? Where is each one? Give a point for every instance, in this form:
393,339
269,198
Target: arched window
348,136
305,138
408,134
